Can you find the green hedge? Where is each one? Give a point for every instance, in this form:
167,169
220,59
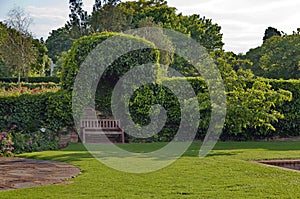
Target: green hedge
288,126
30,112
83,46
8,86
54,111
22,118
31,79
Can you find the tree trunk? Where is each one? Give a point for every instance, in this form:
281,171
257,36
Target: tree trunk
19,78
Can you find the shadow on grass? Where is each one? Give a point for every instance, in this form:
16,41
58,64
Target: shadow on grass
77,151
271,146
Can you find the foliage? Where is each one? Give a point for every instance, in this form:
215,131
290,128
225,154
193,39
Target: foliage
115,16
270,32
289,125
58,111
278,57
254,106
83,46
30,112
40,140
6,144
7,86
118,17
31,79
4,70
59,41
17,49
43,62
109,18
78,18
59,65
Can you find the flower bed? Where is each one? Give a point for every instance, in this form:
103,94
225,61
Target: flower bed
14,91
18,142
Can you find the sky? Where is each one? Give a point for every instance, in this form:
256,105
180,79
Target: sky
243,22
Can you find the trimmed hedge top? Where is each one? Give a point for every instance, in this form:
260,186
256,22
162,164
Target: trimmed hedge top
83,46
31,79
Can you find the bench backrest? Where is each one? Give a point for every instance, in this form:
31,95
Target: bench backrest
100,123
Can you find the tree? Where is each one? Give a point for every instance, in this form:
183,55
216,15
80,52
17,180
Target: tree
4,70
199,28
117,17
251,106
19,20
278,57
109,18
59,41
270,32
78,19
17,49
43,62
97,5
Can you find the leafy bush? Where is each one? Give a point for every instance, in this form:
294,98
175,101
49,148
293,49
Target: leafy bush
6,144
254,111
35,141
277,58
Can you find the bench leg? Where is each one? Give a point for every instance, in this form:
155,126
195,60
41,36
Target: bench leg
123,140
83,135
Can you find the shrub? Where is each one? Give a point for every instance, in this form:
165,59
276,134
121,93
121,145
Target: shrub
6,144
254,111
35,141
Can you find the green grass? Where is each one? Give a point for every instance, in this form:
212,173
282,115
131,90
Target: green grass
225,173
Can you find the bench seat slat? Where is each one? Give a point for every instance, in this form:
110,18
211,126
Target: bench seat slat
106,126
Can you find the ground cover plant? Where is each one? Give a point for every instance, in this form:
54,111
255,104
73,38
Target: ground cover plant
226,172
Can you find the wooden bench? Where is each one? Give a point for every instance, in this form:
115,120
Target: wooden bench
101,126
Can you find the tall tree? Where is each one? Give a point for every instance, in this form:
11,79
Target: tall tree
78,18
108,17
17,49
199,28
59,41
278,57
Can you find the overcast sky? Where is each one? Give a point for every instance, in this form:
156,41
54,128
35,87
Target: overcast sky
243,22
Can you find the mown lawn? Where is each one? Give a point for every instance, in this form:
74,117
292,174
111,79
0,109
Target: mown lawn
225,173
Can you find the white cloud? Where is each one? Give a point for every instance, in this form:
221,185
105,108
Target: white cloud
243,22
47,19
